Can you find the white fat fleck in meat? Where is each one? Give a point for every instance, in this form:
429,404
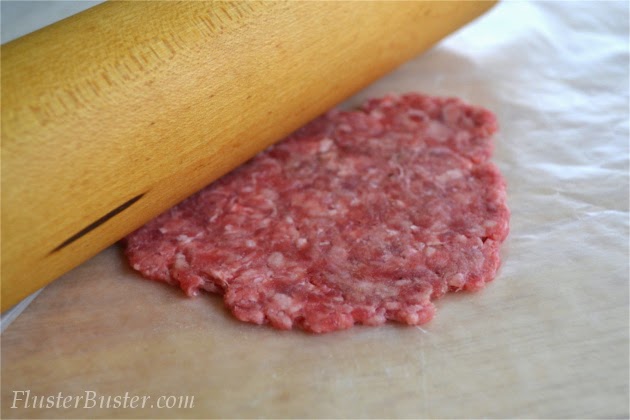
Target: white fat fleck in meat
438,131
180,261
347,167
338,254
417,113
449,175
275,260
410,252
429,251
456,280
403,282
377,114
340,209
185,239
346,128
301,243
269,194
381,290
281,300
325,145
437,227
410,314
392,305
489,223
286,303
315,207
250,243
477,231
163,230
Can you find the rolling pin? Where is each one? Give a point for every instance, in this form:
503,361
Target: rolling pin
116,114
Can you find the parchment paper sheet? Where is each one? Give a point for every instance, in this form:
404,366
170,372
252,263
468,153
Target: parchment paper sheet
548,338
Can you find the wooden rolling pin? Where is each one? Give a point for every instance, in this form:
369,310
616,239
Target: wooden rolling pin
113,115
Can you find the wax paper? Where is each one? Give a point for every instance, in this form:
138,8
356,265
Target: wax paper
549,337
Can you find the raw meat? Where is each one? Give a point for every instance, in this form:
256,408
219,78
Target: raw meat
359,217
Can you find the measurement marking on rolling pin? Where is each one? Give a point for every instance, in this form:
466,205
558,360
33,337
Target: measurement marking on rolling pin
97,223
141,61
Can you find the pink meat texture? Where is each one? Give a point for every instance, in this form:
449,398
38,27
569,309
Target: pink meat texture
361,217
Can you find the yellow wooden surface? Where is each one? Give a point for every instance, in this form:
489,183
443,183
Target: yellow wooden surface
153,100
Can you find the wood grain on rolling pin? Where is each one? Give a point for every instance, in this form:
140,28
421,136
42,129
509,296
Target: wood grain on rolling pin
115,114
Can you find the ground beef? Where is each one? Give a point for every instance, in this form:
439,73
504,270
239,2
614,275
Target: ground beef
359,217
